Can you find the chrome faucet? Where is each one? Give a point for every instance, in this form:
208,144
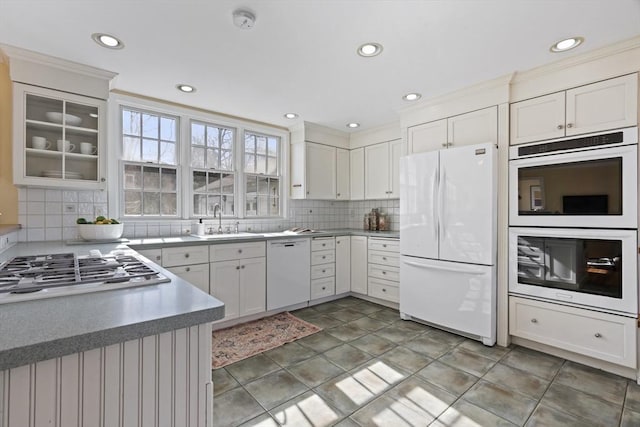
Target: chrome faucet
235,230
217,208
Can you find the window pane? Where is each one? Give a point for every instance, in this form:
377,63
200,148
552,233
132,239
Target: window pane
261,164
272,165
212,201
169,180
212,136
149,126
151,178
130,122
132,203
197,157
274,207
227,205
169,204
132,176
226,161
227,183
197,134
199,204
263,185
214,183
251,205
131,148
249,143
274,187
249,163
273,146
263,206
212,159
168,153
227,139
150,150
261,145
151,203
168,129
251,185
199,181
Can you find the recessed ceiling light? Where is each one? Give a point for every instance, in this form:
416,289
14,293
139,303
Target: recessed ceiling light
353,125
244,19
290,115
370,49
566,44
412,97
185,88
107,40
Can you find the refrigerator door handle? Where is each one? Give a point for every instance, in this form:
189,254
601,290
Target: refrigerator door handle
441,184
459,268
435,203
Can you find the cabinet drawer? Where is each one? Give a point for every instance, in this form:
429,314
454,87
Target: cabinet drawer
320,244
229,251
324,270
384,258
196,274
323,287
154,255
184,255
598,335
384,289
384,272
323,257
386,245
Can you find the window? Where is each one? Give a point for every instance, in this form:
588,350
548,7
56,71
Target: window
149,153
212,169
262,175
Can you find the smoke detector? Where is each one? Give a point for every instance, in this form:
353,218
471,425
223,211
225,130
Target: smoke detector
244,19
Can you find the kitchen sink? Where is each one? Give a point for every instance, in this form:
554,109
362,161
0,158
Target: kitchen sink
229,236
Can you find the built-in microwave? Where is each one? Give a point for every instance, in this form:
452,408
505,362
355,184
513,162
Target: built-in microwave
587,181
583,267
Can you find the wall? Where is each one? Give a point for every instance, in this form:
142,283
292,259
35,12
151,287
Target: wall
8,192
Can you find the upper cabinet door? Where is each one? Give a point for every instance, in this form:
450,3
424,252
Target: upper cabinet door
395,151
297,171
321,171
427,137
356,160
376,159
476,127
538,118
342,174
609,104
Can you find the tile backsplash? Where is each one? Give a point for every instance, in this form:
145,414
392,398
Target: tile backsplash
48,214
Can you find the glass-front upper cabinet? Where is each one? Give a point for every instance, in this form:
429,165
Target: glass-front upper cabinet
58,138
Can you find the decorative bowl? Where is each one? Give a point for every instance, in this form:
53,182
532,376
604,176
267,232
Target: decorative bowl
100,231
69,119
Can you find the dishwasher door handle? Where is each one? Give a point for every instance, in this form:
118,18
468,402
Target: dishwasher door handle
288,245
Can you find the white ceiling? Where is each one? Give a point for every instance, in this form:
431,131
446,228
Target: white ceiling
301,54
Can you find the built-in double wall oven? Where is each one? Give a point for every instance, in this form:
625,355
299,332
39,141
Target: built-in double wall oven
573,221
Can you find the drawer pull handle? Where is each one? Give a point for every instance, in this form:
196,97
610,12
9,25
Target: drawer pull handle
384,272
384,246
384,290
237,267
324,288
324,256
324,244
324,271
598,335
534,320
187,269
384,258
186,255
239,251
242,266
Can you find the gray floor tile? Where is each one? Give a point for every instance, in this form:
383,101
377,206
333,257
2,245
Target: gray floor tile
307,410
254,367
409,325
222,381
327,307
264,420
386,315
630,418
494,353
581,404
289,353
544,416
348,301
593,381
368,323
378,376
367,307
632,400
345,393
396,334
320,341
501,401
326,322
346,332
451,379
347,422
428,346
347,314
406,359
373,344
306,313
445,337
315,371
465,414
275,388
467,361
234,407
346,356
517,380
539,364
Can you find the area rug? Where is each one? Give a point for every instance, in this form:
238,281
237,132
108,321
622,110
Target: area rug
239,342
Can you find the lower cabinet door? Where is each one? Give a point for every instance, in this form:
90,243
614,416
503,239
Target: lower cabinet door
253,286
384,289
225,283
197,275
322,287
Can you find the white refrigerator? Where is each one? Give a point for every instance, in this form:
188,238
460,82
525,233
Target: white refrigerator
448,224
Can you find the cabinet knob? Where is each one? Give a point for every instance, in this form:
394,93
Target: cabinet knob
444,144
239,251
338,194
242,266
324,256
384,290
384,258
324,288
384,246
186,255
158,257
534,320
569,125
103,179
598,335
337,242
384,272
324,271
187,269
560,127
237,267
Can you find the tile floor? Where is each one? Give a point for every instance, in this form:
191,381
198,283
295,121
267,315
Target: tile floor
369,368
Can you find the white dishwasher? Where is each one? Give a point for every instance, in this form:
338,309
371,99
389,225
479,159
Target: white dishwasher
288,272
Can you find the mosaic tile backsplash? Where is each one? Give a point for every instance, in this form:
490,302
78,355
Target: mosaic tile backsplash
47,214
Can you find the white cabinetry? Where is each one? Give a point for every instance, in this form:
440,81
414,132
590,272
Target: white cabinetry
38,158
382,170
465,129
343,264
384,269
356,160
359,264
187,262
343,178
590,333
315,174
196,274
238,277
323,267
605,105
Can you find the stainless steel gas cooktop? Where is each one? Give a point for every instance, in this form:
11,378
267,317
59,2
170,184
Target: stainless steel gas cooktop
44,276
